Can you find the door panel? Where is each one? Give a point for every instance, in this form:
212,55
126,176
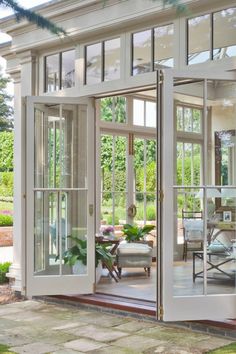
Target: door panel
198,159
60,196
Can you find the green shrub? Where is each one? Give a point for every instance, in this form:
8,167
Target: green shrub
4,269
151,212
109,220
6,184
6,220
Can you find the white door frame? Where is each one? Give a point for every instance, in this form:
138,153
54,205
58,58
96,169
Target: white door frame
59,284
194,307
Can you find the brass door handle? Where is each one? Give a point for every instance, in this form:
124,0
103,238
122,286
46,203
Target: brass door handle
132,211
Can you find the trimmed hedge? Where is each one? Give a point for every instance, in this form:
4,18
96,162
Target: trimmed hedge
6,220
4,269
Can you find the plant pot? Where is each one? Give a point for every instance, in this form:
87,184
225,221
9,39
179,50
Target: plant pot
98,272
79,268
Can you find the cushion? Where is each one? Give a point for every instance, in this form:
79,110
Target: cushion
217,247
193,229
134,249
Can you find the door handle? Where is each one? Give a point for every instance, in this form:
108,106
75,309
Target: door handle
132,211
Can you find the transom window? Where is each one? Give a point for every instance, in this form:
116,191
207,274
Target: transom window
152,49
102,61
59,71
212,36
144,113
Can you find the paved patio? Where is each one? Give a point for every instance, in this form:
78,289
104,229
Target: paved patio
35,328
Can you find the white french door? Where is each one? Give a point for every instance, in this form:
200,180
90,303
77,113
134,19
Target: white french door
60,193
198,164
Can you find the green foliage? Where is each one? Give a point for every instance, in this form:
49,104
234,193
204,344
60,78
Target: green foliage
110,221
228,349
4,269
135,233
6,205
151,212
4,349
6,110
31,16
78,252
113,109
6,220
6,184
6,151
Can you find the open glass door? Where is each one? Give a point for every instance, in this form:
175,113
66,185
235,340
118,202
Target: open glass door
199,184
60,194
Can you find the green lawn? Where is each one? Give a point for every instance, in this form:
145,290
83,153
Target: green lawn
4,349
228,349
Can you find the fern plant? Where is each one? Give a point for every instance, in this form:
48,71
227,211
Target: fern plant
134,233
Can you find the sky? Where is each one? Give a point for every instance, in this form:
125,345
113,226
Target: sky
4,37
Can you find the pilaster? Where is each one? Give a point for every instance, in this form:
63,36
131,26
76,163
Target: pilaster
23,76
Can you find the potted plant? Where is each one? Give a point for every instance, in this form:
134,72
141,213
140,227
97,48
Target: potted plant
76,256
133,233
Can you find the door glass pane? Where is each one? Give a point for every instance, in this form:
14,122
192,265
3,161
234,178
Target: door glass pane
142,61
52,73
221,203
150,114
74,146
47,146
138,112
93,63
163,46
58,215
224,35
188,221
113,109
113,181
59,163
112,59
199,39
68,69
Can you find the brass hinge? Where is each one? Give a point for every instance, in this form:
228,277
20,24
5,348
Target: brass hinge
161,196
161,77
161,312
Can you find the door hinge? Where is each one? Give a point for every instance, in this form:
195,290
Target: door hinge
161,312
161,77
91,209
161,196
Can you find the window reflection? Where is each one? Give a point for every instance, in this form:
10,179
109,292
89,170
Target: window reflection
224,23
142,52
68,69
112,59
199,39
93,63
163,46
52,73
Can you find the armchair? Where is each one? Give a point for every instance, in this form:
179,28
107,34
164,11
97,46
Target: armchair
193,232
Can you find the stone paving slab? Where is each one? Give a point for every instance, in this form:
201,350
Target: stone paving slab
33,327
35,348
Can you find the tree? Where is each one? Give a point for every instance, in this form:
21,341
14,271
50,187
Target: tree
42,22
33,17
6,110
